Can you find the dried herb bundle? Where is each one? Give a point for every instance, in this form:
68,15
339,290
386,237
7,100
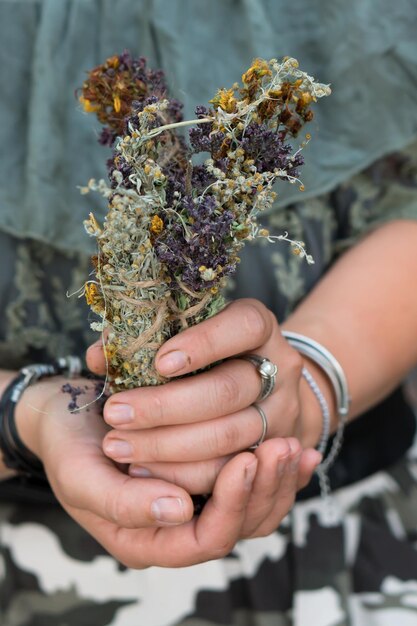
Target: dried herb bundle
174,229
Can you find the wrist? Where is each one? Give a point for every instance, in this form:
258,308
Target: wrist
24,455
46,404
31,412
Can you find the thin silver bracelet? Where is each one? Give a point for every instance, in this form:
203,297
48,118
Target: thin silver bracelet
325,431
334,371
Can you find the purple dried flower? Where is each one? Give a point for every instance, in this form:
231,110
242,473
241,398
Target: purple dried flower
74,392
205,245
268,150
106,137
201,178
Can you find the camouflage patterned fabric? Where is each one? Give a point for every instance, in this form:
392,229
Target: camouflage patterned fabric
351,561
360,569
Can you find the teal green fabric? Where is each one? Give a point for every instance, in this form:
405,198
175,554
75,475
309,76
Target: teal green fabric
366,49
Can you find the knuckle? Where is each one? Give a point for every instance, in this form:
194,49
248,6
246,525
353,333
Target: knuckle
257,320
226,392
226,438
223,549
206,347
153,411
295,363
117,509
295,446
151,446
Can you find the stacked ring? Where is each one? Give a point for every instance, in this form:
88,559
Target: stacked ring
264,427
268,372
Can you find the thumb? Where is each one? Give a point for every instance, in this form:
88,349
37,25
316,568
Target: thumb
96,485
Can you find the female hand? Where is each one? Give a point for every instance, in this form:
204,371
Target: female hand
147,521
186,430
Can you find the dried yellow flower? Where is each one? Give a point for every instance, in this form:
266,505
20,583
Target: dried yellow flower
88,106
225,99
113,62
91,293
157,225
257,70
117,104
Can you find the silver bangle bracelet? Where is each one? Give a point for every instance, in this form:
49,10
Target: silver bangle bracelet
328,363
334,371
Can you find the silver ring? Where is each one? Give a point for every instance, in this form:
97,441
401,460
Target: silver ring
264,426
268,372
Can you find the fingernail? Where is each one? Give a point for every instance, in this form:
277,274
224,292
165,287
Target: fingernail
117,448
250,471
172,362
139,472
119,414
169,510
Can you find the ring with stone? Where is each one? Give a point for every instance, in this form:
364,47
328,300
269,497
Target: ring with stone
268,372
264,426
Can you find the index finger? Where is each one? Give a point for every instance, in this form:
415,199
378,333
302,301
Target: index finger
96,361
244,325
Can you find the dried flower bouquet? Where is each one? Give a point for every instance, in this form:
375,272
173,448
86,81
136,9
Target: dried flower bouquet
174,229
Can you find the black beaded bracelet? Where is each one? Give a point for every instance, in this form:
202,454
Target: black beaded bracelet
16,455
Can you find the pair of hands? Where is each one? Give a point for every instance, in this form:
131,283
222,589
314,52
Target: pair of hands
163,443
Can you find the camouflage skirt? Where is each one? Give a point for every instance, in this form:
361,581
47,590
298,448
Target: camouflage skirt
352,561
